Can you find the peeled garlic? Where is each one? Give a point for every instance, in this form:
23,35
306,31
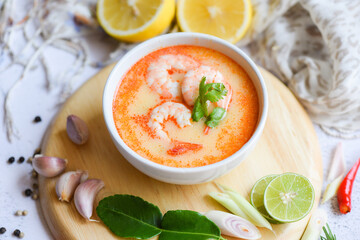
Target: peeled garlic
85,195
67,183
77,129
48,166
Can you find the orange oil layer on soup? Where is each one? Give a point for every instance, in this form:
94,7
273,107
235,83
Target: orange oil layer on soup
134,100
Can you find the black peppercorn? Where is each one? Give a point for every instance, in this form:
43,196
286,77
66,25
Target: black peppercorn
17,232
2,230
11,160
37,119
28,192
21,159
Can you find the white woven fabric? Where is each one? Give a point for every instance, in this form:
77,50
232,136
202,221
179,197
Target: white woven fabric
313,47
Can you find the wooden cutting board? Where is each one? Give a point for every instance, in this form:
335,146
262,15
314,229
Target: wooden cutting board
288,144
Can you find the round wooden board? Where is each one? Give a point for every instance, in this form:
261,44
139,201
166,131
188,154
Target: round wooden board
288,144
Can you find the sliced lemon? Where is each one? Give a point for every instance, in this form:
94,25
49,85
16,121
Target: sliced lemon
135,20
227,19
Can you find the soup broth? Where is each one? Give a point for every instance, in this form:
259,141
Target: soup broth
139,94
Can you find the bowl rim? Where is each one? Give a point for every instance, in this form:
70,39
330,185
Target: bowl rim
108,114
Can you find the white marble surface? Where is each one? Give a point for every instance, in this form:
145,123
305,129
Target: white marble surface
32,99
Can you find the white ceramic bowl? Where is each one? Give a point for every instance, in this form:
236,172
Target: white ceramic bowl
172,174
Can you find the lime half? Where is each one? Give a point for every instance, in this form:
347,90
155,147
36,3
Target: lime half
289,197
257,195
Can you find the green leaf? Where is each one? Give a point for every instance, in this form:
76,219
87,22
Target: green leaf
215,117
130,216
202,88
219,87
186,225
212,92
328,234
213,96
197,112
215,92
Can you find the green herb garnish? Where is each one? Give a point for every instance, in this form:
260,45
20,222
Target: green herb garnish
215,117
212,92
328,234
132,217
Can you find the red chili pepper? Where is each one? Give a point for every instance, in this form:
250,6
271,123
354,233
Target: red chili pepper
183,147
344,192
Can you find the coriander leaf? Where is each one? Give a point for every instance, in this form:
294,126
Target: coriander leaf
213,96
204,108
202,87
185,225
215,117
130,216
198,111
206,88
216,88
212,92
220,87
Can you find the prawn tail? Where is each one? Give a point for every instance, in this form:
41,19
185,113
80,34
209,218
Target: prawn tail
183,147
206,130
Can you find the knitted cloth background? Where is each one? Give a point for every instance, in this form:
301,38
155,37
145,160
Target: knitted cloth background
313,47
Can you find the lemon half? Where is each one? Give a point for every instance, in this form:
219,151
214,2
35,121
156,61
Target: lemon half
227,19
135,20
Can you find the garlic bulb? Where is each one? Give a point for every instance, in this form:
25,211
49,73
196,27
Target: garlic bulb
85,195
67,183
48,166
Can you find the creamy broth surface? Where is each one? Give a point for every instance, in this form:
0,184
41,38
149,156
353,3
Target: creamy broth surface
134,100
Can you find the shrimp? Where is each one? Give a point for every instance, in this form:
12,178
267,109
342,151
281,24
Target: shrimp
190,86
182,116
163,112
160,71
192,79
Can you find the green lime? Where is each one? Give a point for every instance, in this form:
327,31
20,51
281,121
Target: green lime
289,197
257,195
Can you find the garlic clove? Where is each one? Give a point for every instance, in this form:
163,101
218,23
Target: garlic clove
49,166
67,183
85,195
77,129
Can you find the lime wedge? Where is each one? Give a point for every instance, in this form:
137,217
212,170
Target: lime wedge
257,195
289,197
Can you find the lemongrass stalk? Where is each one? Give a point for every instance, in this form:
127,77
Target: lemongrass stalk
338,166
314,227
256,218
224,188
332,188
228,203
252,214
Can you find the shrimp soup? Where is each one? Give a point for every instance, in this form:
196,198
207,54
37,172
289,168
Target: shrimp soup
185,106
